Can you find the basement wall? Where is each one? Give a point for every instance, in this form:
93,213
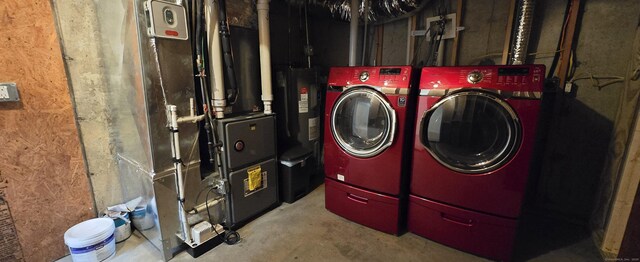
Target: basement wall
41,164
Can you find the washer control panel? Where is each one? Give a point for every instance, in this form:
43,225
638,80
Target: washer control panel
387,76
502,77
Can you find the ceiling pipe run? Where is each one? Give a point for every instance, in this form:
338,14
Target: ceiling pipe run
353,37
265,53
522,32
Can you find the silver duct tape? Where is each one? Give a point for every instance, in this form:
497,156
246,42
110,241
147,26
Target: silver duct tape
434,92
522,95
501,93
394,91
384,90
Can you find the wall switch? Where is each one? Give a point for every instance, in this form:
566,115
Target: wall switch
9,92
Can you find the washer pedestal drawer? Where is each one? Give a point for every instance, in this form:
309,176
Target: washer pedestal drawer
371,209
481,234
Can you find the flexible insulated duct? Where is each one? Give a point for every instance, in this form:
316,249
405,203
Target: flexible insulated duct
375,10
522,32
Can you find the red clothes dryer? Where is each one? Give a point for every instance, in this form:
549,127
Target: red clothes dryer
472,151
366,135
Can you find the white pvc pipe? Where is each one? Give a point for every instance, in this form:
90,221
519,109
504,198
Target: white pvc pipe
353,31
175,150
219,101
365,31
193,118
265,53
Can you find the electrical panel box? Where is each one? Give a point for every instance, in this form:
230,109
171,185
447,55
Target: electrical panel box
166,20
9,92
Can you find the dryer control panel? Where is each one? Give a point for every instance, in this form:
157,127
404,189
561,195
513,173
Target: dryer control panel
394,76
507,78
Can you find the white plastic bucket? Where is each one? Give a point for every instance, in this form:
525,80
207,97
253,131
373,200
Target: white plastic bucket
92,240
142,218
123,228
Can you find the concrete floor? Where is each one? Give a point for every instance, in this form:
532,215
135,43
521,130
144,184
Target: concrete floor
306,231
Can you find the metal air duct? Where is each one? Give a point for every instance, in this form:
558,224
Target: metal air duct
522,32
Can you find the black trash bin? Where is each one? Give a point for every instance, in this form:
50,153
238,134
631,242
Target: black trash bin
295,170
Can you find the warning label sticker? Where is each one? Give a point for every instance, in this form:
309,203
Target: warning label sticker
303,103
255,177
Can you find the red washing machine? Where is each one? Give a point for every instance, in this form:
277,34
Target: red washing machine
368,110
474,140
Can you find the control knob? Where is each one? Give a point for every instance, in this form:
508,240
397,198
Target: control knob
474,77
364,76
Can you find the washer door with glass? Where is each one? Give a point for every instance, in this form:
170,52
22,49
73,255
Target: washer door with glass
471,132
363,123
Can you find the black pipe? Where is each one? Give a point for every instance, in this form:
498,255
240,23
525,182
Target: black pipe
200,56
232,88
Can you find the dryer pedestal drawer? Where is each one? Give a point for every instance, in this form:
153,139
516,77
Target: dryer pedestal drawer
364,207
481,234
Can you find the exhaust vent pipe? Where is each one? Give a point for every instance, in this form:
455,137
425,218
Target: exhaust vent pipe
353,32
522,32
265,53
215,54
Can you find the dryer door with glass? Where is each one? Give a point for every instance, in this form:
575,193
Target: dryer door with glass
471,132
363,123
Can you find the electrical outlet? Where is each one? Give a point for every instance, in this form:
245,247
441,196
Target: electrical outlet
9,92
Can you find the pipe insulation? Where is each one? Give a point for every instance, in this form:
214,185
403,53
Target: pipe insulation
215,57
265,53
522,32
353,32
227,55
